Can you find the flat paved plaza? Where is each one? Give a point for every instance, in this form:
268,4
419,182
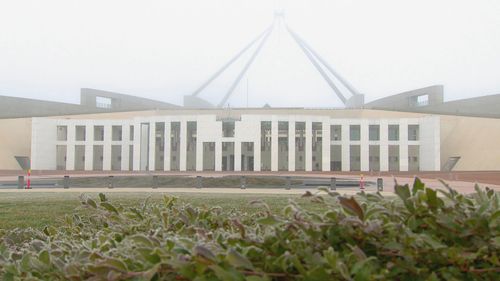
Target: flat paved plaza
463,182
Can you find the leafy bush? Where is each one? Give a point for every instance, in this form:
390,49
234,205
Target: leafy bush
417,235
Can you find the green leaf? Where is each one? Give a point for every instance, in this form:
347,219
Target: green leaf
44,257
436,245
417,185
109,207
142,239
268,220
432,199
117,264
26,263
91,203
238,260
318,273
495,220
50,230
352,205
260,203
363,270
403,191
225,275
204,252
102,197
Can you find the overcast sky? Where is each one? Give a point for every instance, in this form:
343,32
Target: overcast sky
165,49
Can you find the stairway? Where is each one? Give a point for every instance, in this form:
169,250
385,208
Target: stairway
450,163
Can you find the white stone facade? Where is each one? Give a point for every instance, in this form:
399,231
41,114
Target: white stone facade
55,144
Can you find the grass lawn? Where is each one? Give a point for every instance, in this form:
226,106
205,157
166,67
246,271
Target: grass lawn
40,209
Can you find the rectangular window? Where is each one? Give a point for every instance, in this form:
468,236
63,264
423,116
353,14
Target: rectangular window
228,129
98,156
228,156
374,132
131,137
79,157
413,132
208,156
393,132
283,146
191,131
175,151
131,158
103,102
144,147
355,132
62,133
336,132
317,146
159,146
300,144
116,133
116,157
265,145
61,157
336,158
247,156
355,157
80,133
98,133
413,158
393,157
374,157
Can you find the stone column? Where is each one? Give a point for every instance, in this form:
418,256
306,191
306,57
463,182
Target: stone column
384,145
346,149
364,145
291,145
326,146
106,164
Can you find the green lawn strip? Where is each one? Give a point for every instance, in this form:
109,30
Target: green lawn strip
40,209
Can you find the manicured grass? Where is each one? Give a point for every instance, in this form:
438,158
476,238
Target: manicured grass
40,209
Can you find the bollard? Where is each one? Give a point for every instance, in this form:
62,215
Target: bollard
288,183
111,184
243,182
199,181
20,182
66,182
155,182
333,183
380,184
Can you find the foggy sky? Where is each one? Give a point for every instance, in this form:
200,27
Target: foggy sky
165,49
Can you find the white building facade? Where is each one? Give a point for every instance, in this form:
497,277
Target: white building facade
247,142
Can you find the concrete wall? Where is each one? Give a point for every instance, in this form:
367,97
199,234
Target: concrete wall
475,140
15,140
120,102
403,100
14,107
484,106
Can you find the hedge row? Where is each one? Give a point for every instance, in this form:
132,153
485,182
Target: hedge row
416,235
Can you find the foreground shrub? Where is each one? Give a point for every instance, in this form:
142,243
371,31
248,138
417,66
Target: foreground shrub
414,236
